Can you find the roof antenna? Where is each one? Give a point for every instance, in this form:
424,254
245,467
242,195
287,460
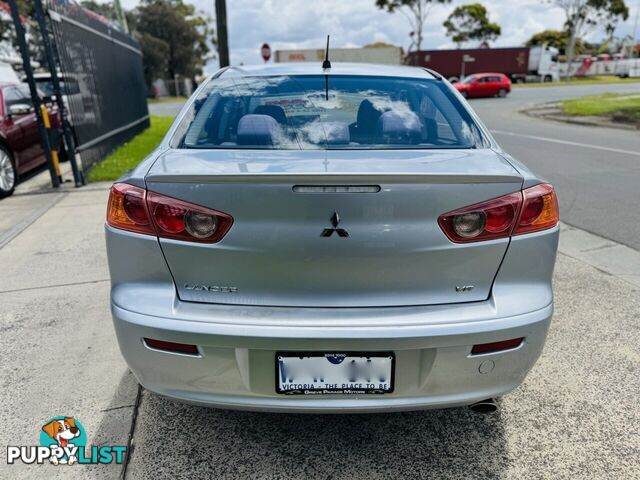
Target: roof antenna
326,64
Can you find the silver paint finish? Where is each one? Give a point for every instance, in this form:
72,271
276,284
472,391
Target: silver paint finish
390,286
395,252
239,343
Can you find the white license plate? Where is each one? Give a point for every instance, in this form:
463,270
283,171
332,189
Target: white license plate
317,373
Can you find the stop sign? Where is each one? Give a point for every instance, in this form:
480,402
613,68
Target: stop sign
265,51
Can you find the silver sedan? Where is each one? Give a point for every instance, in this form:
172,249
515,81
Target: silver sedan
341,240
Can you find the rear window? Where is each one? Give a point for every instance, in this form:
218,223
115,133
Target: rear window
330,112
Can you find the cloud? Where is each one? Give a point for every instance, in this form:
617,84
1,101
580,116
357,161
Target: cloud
352,23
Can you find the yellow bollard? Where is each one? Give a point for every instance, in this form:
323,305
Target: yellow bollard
54,152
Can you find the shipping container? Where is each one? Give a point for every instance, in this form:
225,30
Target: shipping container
518,63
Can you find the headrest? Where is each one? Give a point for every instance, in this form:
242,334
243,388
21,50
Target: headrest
337,133
368,115
257,130
399,127
275,111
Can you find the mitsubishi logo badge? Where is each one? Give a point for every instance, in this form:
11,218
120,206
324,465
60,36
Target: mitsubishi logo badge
335,220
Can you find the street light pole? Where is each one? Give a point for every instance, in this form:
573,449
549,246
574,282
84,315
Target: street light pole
221,25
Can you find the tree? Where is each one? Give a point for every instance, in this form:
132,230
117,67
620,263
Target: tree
8,38
104,9
556,39
416,11
174,37
582,16
471,22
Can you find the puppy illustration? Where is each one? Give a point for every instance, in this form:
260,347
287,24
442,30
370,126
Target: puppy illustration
62,431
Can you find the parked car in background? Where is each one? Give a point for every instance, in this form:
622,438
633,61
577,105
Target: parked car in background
484,85
342,241
20,147
71,94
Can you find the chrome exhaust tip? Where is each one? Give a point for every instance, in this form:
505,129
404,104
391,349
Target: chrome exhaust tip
484,406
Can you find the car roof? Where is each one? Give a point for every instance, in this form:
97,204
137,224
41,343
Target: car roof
337,68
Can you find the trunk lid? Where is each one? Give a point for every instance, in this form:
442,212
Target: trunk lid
288,245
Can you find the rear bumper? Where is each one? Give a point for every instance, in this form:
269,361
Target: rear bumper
236,368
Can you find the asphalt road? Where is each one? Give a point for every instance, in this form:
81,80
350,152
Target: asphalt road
595,170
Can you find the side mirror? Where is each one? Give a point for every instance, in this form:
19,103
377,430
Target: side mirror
20,109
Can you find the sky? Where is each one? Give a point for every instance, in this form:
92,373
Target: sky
285,24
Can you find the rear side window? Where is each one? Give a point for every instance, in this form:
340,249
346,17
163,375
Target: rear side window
330,112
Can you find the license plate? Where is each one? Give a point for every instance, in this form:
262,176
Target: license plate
318,373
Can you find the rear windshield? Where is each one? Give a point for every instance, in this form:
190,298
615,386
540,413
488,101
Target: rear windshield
324,111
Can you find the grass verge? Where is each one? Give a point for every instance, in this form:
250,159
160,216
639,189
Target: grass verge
597,80
618,107
167,100
131,153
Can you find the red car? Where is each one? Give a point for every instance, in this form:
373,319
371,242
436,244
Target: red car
20,147
484,85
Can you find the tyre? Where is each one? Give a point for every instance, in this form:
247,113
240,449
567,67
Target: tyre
464,94
502,93
547,79
8,173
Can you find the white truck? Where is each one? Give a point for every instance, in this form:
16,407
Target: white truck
543,64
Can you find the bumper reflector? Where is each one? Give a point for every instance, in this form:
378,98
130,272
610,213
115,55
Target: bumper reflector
172,347
496,346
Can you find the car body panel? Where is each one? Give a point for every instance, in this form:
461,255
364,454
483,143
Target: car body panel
396,253
390,286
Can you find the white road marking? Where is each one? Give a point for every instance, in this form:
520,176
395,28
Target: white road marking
567,142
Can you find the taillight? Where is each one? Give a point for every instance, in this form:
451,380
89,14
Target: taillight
531,210
127,209
136,210
184,221
539,211
482,221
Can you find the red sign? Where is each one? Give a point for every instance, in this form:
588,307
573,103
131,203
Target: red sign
265,51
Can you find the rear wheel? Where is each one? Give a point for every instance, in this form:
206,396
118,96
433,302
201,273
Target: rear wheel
502,93
8,173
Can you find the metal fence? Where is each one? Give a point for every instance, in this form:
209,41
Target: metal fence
103,80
